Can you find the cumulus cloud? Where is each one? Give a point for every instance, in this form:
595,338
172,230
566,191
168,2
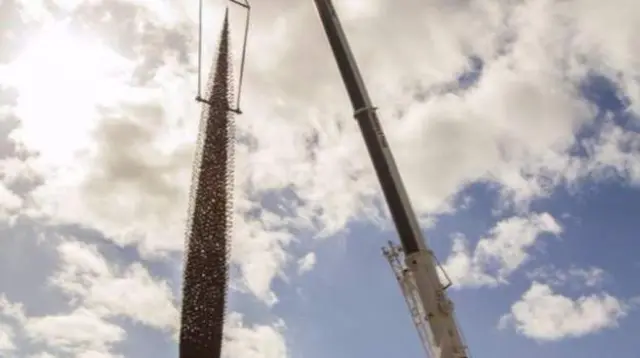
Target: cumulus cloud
42,355
614,152
102,292
99,292
110,292
544,315
6,338
10,202
551,275
258,249
13,312
306,263
80,331
496,256
256,341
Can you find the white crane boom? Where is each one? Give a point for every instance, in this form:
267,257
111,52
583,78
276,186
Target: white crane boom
407,284
445,340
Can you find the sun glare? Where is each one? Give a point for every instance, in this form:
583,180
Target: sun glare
62,78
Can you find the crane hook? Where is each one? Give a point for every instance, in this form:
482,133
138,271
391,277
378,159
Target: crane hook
199,98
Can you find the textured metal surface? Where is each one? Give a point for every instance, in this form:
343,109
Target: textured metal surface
209,228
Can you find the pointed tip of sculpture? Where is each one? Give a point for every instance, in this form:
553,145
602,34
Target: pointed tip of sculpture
224,32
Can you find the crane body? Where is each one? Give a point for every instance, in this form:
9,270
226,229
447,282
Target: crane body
419,274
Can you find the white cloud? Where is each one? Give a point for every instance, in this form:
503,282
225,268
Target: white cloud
306,263
6,338
80,331
42,355
97,354
499,254
11,311
99,292
358,9
10,202
544,315
257,341
259,252
11,316
509,239
136,295
609,53
462,268
616,152
590,277
110,292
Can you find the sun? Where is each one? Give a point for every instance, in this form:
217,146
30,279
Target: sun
62,78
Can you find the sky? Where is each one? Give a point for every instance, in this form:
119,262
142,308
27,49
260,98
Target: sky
514,123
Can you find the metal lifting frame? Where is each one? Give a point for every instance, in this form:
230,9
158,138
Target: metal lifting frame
199,98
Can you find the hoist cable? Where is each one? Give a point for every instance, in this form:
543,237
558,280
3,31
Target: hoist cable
244,55
242,60
199,92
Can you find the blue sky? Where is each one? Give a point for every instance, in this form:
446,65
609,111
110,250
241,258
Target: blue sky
514,124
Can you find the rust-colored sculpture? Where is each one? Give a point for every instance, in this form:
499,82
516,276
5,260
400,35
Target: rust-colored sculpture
209,228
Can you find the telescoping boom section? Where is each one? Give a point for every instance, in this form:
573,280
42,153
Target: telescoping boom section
445,337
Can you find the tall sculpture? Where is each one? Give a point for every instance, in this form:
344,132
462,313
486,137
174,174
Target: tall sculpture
209,227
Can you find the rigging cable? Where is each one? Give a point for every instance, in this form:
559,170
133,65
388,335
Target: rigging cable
199,98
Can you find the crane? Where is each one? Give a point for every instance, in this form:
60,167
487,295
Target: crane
426,296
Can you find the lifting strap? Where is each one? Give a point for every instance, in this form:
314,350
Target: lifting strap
245,4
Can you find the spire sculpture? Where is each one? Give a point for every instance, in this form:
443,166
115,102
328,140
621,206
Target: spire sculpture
209,227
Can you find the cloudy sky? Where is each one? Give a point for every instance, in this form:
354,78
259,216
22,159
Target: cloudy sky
515,124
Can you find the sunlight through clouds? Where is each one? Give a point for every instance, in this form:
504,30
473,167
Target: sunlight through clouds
62,78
